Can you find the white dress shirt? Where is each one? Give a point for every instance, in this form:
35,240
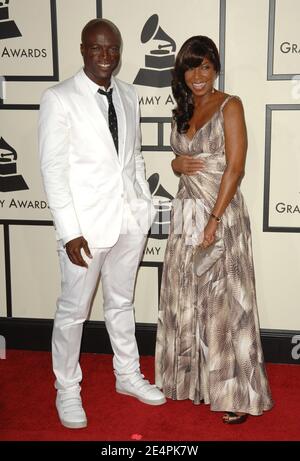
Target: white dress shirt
102,102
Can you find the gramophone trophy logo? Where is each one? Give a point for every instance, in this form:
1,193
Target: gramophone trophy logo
162,201
9,179
8,28
160,61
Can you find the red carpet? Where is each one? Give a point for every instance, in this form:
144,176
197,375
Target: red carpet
28,413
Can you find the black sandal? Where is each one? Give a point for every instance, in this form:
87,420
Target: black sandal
234,418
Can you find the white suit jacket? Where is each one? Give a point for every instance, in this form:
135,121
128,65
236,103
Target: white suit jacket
86,182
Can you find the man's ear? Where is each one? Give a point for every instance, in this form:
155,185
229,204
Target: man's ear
81,49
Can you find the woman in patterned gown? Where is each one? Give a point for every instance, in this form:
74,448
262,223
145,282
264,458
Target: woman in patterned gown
208,341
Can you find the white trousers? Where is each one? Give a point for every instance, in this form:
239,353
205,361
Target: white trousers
118,266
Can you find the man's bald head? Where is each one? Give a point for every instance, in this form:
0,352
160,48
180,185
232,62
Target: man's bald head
100,49
99,24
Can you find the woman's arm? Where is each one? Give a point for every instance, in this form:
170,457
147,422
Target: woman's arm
235,151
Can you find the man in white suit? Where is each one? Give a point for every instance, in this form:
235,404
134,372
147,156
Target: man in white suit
94,178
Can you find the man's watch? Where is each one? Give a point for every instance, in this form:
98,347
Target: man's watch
216,217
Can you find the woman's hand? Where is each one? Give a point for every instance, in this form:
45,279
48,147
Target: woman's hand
187,164
209,234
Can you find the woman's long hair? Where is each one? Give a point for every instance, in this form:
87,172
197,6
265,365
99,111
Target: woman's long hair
191,55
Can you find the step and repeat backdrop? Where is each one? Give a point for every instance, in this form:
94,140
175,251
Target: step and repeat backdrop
259,43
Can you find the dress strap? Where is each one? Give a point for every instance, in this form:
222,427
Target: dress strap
227,99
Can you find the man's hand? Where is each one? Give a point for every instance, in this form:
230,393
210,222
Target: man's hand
186,164
73,249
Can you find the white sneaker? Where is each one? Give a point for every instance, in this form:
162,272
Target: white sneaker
136,386
70,411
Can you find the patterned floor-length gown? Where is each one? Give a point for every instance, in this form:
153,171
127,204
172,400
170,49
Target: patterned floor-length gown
208,343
